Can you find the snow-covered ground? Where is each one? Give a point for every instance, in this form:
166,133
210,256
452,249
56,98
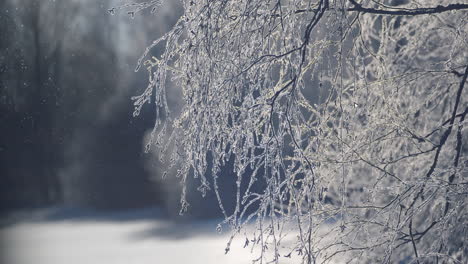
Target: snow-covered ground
55,237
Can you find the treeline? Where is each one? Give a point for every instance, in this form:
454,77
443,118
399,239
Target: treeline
67,132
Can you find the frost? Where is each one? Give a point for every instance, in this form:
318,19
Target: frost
350,116
136,7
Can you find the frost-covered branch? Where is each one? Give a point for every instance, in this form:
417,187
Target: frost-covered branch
336,117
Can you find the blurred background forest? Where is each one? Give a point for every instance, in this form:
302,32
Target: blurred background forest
68,137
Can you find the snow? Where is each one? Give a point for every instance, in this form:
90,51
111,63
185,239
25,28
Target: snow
128,238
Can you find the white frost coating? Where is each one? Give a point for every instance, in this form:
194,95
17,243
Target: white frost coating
348,114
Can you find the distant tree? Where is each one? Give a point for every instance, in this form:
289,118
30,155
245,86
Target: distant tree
60,104
31,71
352,113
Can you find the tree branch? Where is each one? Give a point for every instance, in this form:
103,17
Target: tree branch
452,120
412,241
407,12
